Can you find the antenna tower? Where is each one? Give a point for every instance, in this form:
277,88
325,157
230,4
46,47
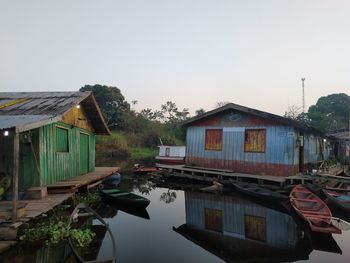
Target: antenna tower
302,83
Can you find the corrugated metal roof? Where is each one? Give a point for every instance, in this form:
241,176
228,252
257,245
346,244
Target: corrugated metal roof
28,110
258,113
11,121
40,103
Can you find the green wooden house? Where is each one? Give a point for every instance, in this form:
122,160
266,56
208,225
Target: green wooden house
53,134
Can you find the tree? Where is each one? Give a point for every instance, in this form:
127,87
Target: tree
221,104
200,111
331,113
111,102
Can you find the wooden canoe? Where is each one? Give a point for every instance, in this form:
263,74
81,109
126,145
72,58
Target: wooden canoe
313,210
338,200
259,192
120,197
83,210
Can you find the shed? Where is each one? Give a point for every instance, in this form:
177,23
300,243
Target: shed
46,137
342,146
246,140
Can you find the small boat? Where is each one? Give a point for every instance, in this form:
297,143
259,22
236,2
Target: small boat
139,212
171,154
257,191
120,197
144,170
83,210
215,187
338,200
313,210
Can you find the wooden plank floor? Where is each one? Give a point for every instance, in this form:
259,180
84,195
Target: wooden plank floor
83,180
34,208
200,172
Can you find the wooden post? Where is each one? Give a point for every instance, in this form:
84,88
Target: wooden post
15,176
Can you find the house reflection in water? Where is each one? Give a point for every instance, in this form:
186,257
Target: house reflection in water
234,228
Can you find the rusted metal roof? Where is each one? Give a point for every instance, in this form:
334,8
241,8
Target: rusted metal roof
258,113
28,110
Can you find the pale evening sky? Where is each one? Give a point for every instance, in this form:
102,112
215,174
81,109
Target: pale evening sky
194,53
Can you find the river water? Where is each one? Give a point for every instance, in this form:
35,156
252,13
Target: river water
193,226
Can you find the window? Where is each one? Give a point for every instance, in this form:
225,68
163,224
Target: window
255,140
62,144
255,227
213,139
167,151
213,219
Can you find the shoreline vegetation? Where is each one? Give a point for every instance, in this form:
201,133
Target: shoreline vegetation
136,134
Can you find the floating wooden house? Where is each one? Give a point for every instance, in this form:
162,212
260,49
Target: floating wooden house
246,140
171,154
47,137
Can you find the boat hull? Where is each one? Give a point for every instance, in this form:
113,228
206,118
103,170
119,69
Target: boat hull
332,199
313,210
259,192
123,198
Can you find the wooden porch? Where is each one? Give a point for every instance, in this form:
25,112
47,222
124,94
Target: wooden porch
58,193
85,181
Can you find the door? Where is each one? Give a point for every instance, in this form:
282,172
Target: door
301,153
84,153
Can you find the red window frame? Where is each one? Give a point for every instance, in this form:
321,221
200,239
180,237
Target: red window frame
213,139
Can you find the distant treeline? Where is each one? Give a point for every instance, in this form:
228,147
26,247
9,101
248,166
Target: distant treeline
147,127
329,115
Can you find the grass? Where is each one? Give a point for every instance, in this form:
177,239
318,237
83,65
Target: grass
141,153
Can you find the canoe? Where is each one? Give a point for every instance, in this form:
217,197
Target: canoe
313,210
144,170
259,192
338,200
121,197
83,210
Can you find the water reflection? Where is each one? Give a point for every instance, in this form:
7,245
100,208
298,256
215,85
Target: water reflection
208,228
234,228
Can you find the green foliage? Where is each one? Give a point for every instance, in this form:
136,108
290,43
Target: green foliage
141,153
331,113
51,232
111,102
83,237
88,198
54,231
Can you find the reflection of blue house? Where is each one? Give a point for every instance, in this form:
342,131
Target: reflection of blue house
237,217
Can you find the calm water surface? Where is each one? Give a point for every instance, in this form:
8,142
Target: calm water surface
177,231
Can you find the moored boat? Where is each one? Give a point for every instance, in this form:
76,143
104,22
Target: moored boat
144,170
121,197
338,200
83,210
259,192
313,210
171,154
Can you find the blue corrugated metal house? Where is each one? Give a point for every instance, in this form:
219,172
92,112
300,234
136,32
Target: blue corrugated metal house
246,140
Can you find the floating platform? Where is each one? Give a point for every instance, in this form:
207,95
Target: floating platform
87,181
224,176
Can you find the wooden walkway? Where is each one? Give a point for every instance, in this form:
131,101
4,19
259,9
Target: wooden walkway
209,175
33,208
82,181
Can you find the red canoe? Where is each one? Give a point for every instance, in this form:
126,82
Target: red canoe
313,210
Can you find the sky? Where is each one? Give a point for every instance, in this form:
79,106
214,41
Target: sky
194,53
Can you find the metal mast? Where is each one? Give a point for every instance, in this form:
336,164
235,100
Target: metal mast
302,83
